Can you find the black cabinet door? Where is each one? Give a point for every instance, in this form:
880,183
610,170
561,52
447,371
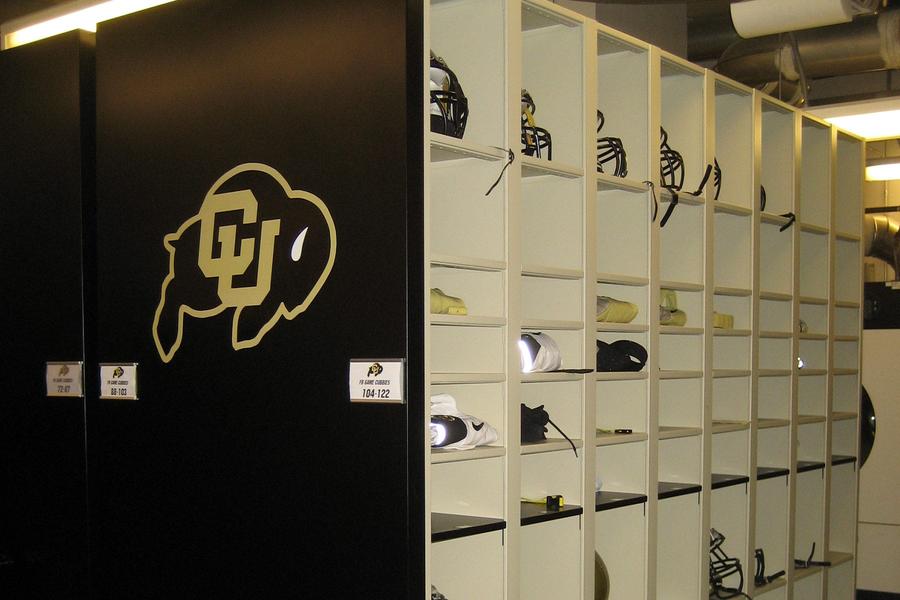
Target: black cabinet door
258,227
46,175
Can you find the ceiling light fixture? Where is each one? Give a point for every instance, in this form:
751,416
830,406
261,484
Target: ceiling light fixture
80,14
883,169
870,119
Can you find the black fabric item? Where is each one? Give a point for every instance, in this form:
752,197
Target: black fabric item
534,425
621,355
534,421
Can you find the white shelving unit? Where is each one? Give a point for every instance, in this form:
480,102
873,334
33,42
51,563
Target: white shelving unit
725,429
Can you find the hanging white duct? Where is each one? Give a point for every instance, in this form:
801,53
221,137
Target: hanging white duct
755,18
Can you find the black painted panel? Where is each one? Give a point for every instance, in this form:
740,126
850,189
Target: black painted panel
246,472
46,147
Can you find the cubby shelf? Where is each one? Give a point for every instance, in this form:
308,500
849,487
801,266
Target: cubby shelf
611,500
805,466
538,513
732,291
451,378
815,229
536,167
622,279
723,480
843,415
468,321
672,374
622,327
670,433
771,472
732,209
444,148
605,181
445,526
552,376
732,332
838,558
673,489
439,455
729,426
551,272
465,262
550,445
841,459
728,408
611,439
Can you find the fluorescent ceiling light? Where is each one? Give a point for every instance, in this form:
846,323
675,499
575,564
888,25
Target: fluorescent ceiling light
882,169
877,119
872,126
81,14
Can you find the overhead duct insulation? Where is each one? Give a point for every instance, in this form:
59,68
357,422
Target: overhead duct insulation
757,18
869,43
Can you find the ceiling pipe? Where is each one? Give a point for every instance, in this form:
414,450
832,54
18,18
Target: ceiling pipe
757,18
865,44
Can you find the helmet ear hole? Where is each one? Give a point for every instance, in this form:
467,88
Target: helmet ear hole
449,105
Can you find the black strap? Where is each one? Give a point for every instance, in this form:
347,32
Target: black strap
762,199
703,181
571,443
791,219
655,201
511,156
672,204
717,178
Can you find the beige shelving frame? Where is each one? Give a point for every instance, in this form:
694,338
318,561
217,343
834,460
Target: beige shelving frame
727,430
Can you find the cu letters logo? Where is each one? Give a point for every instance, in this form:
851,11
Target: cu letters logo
256,246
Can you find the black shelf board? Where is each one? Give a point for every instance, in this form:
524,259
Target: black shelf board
671,489
771,472
610,500
842,459
538,513
446,526
804,466
723,480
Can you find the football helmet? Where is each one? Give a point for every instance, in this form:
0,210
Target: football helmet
535,140
449,105
671,165
610,150
722,566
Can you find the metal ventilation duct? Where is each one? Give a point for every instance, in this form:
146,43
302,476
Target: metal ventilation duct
869,43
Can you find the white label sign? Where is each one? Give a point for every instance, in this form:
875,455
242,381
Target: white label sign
118,381
65,379
376,380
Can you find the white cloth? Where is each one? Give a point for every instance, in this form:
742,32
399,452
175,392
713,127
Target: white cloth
478,432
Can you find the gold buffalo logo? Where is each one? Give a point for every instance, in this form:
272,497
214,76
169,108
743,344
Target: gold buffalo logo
375,370
256,245
118,372
63,370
